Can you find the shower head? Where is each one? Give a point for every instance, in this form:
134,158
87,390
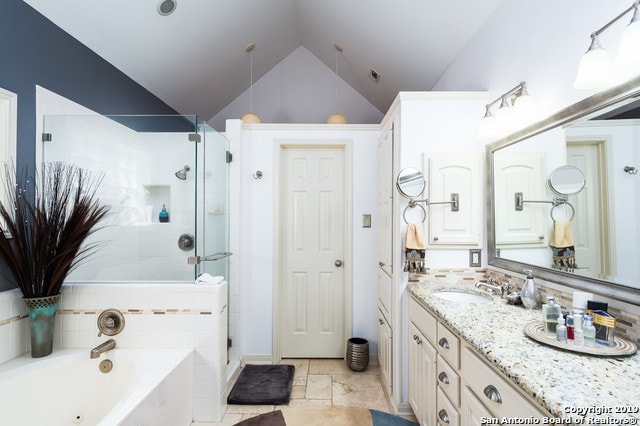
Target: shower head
182,174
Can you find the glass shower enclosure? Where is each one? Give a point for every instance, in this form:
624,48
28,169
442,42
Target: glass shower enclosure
166,180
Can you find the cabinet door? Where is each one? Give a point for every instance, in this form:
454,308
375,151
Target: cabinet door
385,350
513,173
462,175
422,377
385,200
384,293
472,412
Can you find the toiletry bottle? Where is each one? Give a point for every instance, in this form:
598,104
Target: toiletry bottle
578,337
163,217
550,312
570,328
561,330
577,319
589,331
529,293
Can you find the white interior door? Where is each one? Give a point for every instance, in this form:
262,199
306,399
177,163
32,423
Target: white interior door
313,220
590,235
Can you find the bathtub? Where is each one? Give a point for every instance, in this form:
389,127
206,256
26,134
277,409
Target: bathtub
145,386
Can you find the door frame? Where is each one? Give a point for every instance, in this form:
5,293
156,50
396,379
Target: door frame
279,146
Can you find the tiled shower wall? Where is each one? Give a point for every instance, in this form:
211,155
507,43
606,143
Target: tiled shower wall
156,316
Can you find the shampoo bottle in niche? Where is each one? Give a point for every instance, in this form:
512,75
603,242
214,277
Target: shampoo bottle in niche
163,217
550,313
529,293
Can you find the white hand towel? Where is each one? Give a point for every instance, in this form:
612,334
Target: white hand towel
208,279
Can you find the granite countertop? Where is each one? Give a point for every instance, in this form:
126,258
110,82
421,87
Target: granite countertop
560,381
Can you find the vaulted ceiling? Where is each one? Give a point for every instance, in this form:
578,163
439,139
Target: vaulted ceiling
195,59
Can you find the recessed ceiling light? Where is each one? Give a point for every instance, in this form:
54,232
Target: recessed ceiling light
167,7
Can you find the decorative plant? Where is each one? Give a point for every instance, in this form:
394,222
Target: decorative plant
44,226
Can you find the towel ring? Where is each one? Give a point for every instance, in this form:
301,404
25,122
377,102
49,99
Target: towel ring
404,213
573,211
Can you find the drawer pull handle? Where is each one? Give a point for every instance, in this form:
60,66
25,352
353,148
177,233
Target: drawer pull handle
380,321
443,378
381,263
444,417
492,393
443,343
415,337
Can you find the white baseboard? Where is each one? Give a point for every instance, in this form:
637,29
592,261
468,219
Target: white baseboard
256,359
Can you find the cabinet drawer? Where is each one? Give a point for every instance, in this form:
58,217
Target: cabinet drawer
448,346
448,380
384,292
446,413
423,320
495,393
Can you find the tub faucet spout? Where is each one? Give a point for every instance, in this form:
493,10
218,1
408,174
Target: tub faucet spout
103,347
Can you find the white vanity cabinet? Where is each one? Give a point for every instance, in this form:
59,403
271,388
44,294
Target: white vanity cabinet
449,384
385,256
485,392
385,351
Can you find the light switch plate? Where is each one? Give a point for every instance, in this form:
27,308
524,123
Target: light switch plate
474,258
366,221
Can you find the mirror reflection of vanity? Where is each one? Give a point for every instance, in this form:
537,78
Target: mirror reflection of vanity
600,137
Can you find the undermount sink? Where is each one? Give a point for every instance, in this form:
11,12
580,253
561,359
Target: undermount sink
459,296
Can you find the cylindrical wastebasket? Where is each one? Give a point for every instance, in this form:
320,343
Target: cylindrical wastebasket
357,357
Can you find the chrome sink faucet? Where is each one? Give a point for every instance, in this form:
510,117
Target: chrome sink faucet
103,347
500,289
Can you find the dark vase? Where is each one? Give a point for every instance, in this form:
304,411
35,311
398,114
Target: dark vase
357,357
42,315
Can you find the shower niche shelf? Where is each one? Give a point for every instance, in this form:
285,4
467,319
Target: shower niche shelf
154,197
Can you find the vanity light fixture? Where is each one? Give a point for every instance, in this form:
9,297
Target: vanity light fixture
516,106
596,68
250,117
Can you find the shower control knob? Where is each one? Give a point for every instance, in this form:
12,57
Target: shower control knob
186,242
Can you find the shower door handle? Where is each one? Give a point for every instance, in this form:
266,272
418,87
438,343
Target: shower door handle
196,260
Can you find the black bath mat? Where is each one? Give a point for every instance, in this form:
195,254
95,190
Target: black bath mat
263,385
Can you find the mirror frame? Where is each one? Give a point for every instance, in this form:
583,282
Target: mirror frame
580,109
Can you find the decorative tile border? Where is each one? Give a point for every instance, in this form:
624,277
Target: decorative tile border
12,319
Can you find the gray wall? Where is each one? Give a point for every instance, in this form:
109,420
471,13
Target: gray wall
33,51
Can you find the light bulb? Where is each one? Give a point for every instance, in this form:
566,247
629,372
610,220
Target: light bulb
487,127
628,60
595,68
524,106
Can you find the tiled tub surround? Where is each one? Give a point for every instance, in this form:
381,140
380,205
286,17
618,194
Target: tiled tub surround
145,386
554,378
158,315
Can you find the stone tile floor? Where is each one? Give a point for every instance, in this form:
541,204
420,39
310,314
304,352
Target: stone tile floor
322,382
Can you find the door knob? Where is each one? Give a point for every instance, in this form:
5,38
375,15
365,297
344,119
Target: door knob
338,263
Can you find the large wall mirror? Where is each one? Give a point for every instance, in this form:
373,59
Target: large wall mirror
8,131
597,227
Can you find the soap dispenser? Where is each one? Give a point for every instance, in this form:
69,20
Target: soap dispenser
163,217
529,293
550,313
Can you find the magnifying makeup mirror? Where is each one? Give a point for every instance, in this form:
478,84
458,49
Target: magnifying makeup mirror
567,180
410,182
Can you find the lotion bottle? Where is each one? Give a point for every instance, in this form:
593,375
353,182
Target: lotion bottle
529,293
561,330
589,331
550,313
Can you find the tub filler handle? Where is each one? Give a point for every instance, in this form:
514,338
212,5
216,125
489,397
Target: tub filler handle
110,322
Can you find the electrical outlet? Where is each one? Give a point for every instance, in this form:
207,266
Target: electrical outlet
366,221
474,258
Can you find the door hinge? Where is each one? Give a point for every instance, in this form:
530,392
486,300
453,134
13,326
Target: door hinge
229,157
46,137
194,137
229,342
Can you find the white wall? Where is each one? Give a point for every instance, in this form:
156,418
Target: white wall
300,89
540,42
253,147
